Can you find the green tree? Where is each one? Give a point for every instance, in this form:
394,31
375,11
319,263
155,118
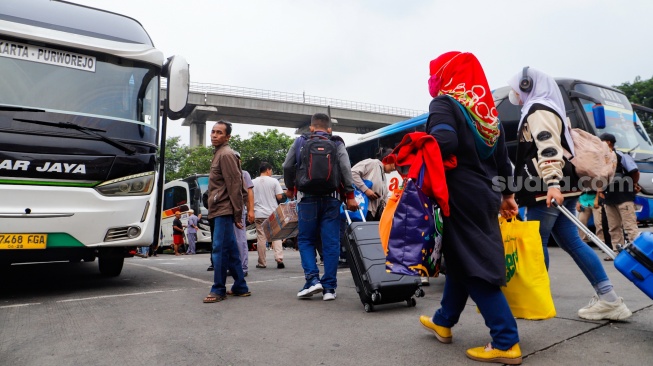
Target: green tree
640,92
270,146
175,155
198,161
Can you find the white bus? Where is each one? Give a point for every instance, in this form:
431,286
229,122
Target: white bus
80,133
182,195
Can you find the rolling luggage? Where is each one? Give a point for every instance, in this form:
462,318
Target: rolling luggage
635,260
376,286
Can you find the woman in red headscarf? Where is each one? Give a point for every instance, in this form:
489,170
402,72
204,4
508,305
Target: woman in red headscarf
463,119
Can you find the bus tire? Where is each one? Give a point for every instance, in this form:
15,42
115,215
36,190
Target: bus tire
110,262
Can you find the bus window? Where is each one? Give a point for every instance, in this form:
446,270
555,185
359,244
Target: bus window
174,196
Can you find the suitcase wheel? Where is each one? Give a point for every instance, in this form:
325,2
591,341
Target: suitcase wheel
376,297
368,307
419,293
411,302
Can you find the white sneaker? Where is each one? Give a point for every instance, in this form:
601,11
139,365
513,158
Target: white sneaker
603,310
310,291
328,296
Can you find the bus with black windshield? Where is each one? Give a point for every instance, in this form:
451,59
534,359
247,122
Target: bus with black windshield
80,133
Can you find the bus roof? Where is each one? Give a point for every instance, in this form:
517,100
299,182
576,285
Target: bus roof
76,19
393,128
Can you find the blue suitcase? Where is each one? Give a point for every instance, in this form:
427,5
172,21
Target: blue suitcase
636,263
635,260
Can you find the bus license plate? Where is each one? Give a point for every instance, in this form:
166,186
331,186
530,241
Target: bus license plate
23,241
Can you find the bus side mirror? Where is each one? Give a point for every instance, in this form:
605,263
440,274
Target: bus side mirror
598,111
177,72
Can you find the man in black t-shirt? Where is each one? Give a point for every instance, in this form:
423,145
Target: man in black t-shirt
177,232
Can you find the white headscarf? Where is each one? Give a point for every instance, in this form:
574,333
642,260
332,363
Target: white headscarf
545,91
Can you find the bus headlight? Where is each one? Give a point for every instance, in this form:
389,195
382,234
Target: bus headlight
133,185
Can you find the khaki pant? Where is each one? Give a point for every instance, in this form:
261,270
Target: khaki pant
620,215
584,217
261,240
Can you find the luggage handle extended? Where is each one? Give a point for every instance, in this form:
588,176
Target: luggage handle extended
349,218
604,247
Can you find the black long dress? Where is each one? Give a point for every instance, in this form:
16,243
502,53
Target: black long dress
472,243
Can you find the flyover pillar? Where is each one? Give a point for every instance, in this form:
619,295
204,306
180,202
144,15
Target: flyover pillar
197,122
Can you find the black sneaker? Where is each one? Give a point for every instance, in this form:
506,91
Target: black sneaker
210,268
280,265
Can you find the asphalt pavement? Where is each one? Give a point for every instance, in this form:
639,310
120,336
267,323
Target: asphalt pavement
152,314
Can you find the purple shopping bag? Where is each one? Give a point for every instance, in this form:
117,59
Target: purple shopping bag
415,240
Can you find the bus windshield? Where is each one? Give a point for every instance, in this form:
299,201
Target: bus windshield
621,120
114,88
203,182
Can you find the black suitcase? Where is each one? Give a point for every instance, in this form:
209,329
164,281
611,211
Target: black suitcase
374,284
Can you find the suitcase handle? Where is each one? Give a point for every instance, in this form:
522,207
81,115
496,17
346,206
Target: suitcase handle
349,218
639,256
604,247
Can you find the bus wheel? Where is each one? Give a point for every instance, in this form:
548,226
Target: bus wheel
110,261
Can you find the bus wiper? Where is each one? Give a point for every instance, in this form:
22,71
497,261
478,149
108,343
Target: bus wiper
87,130
19,109
633,149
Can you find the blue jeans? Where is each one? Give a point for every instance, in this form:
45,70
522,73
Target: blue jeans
225,256
490,301
565,232
241,240
319,219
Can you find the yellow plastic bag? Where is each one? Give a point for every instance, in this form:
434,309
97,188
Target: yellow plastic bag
528,289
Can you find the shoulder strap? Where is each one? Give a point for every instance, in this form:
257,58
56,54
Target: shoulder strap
299,142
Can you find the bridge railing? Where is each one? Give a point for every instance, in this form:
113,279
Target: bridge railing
296,98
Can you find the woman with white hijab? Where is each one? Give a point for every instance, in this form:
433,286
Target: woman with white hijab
543,173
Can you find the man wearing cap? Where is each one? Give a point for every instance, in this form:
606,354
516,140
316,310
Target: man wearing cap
619,197
191,231
177,232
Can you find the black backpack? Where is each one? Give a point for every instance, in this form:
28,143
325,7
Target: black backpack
318,172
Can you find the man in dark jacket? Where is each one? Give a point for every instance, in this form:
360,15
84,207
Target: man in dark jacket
319,213
225,209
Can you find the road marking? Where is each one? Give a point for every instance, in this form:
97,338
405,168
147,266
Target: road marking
211,282
174,274
19,305
119,295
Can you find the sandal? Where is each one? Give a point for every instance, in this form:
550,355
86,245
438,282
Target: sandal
211,298
608,259
244,294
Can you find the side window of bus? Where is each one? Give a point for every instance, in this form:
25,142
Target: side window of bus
173,197
509,116
569,108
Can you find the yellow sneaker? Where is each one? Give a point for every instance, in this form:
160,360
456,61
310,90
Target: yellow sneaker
443,334
488,354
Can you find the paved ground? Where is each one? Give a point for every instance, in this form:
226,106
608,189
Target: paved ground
66,314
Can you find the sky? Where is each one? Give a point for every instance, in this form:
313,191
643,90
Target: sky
378,51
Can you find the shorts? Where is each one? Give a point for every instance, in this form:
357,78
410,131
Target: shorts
178,239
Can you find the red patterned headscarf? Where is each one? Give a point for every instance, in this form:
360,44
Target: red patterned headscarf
460,76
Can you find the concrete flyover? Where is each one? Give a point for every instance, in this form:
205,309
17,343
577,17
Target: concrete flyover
212,102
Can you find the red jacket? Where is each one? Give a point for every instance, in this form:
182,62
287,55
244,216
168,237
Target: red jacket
417,149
